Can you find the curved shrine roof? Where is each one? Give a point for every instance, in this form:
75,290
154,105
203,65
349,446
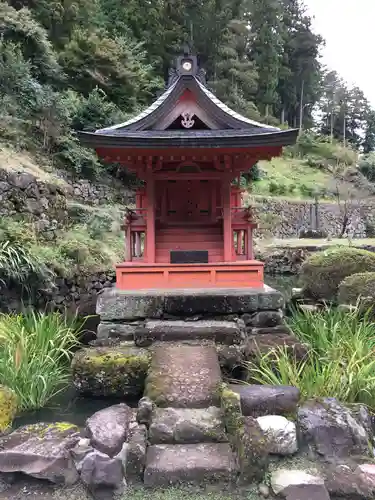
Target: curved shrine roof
222,127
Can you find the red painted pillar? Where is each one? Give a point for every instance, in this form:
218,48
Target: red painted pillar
150,232
227,220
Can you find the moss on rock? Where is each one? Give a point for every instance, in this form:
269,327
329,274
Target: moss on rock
357,286
111,371
245,436
8,408
322,273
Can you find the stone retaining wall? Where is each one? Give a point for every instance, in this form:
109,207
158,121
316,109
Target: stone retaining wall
285,219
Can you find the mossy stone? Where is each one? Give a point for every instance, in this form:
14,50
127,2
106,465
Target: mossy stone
322,273
111,371
8,408
245,436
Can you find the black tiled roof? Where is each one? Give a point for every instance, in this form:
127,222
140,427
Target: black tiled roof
234,129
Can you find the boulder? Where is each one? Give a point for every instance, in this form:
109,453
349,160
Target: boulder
353,483
282,479
108,428
8,408
136,452
332,430
100,470
281,434
111,371
145,409
187,426
258,400
261,344
306,492
263,319
41,451
246,438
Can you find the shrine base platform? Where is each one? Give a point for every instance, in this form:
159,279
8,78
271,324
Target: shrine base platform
114,305
233,275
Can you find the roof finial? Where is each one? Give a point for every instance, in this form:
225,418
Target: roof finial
187,49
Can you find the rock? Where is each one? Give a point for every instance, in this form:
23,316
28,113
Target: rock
261,344
343,481
263,319
284,478
145,410
264,490
230,357
306,492
8,408
183,376
99,470
258,400
123,331
169,465
332,430
281,434
41,451
111,371
187,426
108,428
136,452
246,438
79,452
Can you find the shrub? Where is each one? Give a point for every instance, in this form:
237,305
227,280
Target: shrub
356,286
20,269
340,361
367,166
35,354
322,272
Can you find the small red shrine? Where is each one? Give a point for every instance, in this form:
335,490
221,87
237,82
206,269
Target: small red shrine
189,228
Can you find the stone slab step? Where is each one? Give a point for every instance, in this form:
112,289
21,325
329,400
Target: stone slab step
168,465
187,426
184,376
225,332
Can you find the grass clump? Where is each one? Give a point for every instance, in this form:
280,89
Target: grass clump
340,361
35,354
322,273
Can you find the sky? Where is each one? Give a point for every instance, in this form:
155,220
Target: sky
349,31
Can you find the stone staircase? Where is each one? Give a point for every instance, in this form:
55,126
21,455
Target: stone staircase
187,434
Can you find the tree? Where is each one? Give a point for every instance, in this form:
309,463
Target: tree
265,50
369,139
116,66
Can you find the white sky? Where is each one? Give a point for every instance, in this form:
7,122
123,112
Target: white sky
348,28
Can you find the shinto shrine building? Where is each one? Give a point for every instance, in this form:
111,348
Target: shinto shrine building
189,228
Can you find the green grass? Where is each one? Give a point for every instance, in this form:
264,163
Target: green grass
298,178
140,493
35,354
340,362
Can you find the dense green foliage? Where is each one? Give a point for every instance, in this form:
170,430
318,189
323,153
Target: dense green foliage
67,66
340,361
35,351
322,273
360,286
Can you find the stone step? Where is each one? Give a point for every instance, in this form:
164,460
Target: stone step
168,465
187,426
184,376
225,332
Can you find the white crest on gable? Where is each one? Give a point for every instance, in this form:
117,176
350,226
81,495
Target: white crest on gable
187,119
